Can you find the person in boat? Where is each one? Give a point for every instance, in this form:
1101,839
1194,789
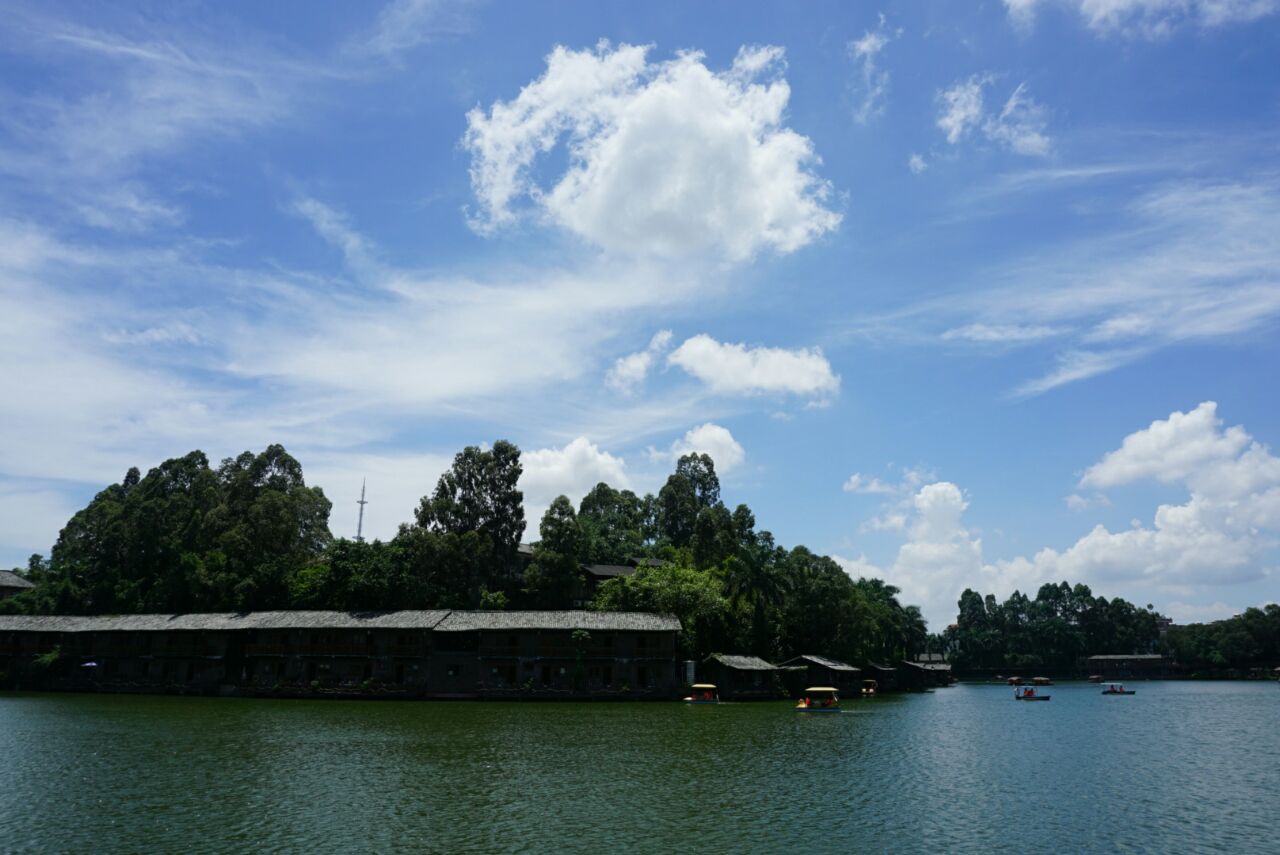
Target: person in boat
1029,693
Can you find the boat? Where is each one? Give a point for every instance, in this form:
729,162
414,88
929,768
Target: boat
1021,694
1095,678
869,688
1015,681
703,693
1042,681
819,699
1118,689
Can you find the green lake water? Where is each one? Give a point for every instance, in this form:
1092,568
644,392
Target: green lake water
1178,767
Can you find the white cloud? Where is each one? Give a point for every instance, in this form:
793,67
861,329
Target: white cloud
999,333
873,85
858,483
569,471
1184,447
1189,261
962,108
665,158
630,371
152,96
1150,18
916,164
1191,613
1019,125
735,369
1220,536
403,25
710,439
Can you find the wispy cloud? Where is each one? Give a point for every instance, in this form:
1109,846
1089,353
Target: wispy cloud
146,94
1188,261
403,25
873,79
1019,125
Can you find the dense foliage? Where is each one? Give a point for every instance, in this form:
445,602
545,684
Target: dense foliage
1050,633
252,535
1244,642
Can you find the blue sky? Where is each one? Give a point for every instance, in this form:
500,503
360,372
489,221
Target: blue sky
979,295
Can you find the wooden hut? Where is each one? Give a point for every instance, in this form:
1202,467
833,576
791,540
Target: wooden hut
1130,667
11,584
742,677
812,670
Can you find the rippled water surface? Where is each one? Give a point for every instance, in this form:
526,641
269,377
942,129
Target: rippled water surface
1178,767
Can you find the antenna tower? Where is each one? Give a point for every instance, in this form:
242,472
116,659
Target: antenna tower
360,522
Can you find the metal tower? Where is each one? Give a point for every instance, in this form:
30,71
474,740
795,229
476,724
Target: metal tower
360,522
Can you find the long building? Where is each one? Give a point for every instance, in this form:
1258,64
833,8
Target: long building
403,654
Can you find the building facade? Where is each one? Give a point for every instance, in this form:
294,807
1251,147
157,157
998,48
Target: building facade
405,654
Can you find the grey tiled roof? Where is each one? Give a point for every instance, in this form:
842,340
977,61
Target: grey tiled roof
743,663
593,621
833,664
223,621
9,579
1114,656
438,619
608,571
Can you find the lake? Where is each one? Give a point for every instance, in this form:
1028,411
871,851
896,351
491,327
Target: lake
1179,766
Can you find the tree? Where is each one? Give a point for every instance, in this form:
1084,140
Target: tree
692,596
478,495
556,570
612,523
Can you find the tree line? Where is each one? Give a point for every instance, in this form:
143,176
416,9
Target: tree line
1051,632
1242,643
251,535
1065,623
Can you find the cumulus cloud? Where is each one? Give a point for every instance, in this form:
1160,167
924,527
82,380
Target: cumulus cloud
735,369
917,164
1150,18
629,371
664,158
1219,536
710,439
569,471
1019,126
873,82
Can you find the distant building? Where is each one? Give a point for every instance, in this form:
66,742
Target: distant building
812,670
11,584
1130,666
741,677
926,671
425,654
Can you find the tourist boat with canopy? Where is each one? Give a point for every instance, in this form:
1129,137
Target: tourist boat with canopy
1118,689
703,693
819,699
869,688
1028,694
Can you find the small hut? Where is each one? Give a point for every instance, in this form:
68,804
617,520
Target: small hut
741,677
811,670
11,584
